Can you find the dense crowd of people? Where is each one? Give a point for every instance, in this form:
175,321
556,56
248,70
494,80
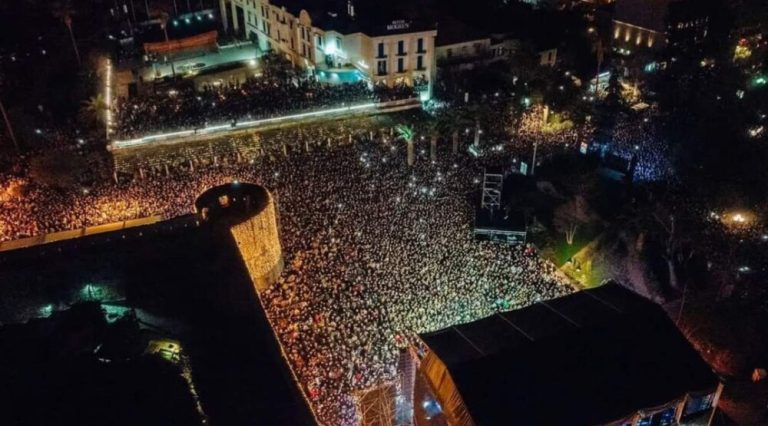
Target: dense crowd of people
256,98
375,251
639,137
532,129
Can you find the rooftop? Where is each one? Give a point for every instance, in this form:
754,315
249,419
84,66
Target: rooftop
649,14
452,31
601,353
331,15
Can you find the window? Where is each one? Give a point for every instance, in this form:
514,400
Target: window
662,418
698,404
449,53
420,45
401,47
381,51
338,43
381,67
420,62
400,64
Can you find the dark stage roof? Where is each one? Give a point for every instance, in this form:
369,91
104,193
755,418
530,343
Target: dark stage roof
587,358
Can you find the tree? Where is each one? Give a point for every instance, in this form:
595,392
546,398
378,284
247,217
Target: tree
64,11
572,214
434,129
94,109
453,121
406,133
60,169
8,126
276,66
613,99
677,252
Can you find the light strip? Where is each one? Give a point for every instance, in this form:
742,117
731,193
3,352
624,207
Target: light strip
108,97
243,125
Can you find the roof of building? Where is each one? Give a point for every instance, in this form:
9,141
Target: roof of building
453,31
332,15
648,14
587,358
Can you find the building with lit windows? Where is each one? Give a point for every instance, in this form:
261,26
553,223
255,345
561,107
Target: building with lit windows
656,24
460,45
640,25
603,356
338,45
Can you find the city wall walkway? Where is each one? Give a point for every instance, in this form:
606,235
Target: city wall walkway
197,135
55,237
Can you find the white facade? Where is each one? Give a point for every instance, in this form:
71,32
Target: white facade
391,56
464,49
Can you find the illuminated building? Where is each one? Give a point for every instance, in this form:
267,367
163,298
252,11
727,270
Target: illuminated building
393,52
603,356
248,211
656,24
640,25
459,44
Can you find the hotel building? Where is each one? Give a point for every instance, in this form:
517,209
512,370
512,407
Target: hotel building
337,44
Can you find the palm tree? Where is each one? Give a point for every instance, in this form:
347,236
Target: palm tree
406,133
64,11
434,128
94,109
455,121
164,18
8,121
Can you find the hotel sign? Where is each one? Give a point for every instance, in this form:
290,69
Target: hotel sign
400,24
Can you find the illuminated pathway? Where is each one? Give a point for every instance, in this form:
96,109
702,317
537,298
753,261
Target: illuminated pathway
225,129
